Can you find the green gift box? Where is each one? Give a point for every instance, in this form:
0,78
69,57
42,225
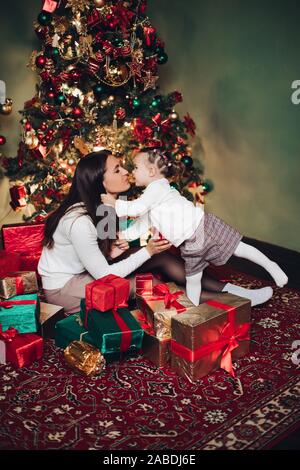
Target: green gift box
20,312
70,329
113,331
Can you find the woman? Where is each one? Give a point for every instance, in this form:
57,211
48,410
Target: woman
73,255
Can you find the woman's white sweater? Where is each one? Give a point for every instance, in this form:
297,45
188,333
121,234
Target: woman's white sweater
76,250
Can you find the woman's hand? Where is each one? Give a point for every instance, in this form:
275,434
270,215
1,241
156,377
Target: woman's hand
118,248
155,247
108,200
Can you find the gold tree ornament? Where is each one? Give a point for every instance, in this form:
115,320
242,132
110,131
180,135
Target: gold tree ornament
115,75
150,81
6,108
118,141
83,147
32,59
99,3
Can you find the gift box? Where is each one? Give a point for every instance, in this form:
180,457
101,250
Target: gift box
18,196
113,331
16,283
29,261
144,285
155,349
26,240
19,349
50,314
20,312
70,329
106,293
23,238
204,341
167,301
9,262
84,358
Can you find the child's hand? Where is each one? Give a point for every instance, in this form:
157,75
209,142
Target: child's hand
118,248
108,200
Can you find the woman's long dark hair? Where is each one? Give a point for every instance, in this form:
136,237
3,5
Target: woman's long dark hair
87,186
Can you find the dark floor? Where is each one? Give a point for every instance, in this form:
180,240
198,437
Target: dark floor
289,261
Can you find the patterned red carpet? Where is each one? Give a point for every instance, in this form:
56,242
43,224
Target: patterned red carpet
135,406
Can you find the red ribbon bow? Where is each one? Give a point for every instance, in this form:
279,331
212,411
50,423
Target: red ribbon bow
19,284
9,334
140,317
170,299
229,338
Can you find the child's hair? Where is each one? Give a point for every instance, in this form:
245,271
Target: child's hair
166,166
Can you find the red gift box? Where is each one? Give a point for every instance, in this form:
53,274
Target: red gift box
144,284
25,240
107,293
20,349
9,262
21,238
29,261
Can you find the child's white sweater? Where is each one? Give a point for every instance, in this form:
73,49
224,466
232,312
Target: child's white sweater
162,207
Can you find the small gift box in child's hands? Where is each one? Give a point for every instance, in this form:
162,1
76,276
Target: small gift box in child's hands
19,349
166,301
211,338
17,283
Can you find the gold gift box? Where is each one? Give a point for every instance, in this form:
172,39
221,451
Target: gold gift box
8,283
158,316
195,330
84,358
50,314
155,349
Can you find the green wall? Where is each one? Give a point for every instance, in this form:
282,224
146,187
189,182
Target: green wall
234,61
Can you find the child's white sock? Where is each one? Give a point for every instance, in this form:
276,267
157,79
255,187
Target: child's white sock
193,288
251,253
257,296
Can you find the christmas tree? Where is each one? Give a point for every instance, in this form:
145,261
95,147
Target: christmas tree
97,88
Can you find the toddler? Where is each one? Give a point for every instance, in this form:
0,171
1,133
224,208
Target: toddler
202,237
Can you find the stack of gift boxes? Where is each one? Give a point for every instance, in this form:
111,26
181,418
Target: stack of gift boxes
167,328
193,341
104,322
24,320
